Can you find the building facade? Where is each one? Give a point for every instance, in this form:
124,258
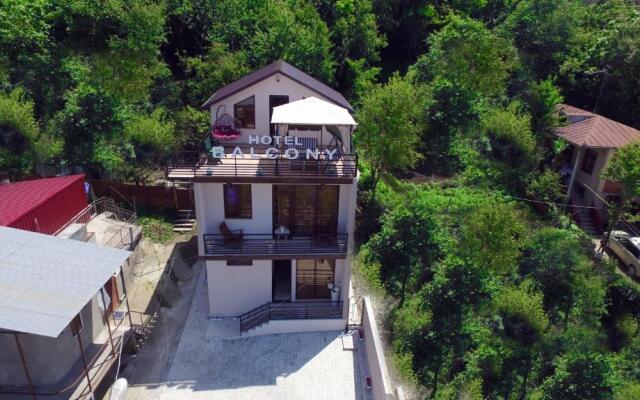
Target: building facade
592,141
275,202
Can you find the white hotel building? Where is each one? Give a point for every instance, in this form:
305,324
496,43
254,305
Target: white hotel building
275,192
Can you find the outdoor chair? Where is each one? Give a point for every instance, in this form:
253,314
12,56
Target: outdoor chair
231,237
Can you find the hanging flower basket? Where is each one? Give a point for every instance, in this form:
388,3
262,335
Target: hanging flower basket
225,128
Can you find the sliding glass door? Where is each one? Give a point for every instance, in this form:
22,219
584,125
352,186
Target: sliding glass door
306,210
312,278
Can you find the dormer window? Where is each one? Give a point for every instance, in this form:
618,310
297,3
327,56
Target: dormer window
245,112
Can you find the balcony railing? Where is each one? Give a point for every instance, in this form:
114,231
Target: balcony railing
249,245
290,310
193,164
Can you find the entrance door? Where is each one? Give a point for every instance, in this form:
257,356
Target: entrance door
281,280
275,101
312,278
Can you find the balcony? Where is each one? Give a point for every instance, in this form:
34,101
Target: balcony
340,168
218,246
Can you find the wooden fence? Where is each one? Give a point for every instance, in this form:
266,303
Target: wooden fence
144,195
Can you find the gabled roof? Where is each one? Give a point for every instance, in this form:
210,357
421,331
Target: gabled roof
573,111
286,69
19,198
595,130
45,281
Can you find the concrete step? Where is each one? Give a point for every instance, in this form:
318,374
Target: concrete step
185,221
182,229
183,225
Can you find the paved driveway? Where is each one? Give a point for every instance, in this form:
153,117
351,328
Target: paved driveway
292,366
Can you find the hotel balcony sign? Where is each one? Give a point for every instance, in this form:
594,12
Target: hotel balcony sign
294,149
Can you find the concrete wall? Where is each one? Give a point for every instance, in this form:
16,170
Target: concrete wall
50,359
298,325
380,381
234,290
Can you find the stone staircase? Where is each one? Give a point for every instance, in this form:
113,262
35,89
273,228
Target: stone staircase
585,222
185,221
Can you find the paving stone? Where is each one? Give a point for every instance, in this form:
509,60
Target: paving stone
307,366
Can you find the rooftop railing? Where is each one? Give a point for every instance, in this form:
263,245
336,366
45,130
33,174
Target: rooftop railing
193,164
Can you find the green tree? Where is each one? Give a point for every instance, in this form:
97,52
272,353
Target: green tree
465,52
544,31
405,247
492,237
391,122
215,69
580,376
510,136
524,324
22,144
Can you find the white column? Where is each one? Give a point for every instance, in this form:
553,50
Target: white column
575,171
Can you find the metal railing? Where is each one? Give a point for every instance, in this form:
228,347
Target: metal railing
95,370
293,310
199,164
107,206
266,244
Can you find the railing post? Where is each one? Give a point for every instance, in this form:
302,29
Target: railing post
277,166
235,164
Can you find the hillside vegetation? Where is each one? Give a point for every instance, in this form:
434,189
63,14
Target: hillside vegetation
489,296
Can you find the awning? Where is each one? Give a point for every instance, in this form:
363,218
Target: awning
45,281
311,111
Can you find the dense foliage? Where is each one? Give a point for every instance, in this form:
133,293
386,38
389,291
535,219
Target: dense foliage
491,296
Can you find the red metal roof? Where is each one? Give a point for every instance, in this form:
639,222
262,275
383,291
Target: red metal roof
595,130
19,199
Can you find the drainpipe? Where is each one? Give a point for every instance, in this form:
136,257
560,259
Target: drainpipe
574,172
24,365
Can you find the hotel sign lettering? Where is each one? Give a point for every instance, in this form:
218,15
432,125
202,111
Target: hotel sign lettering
294,149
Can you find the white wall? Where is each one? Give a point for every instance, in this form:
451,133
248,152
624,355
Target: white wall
274,327
234,290
262,90
210,210
380,381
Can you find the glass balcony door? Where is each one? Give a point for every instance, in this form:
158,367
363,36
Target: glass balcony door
312,278
306,210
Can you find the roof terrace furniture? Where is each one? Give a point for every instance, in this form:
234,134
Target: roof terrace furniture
231,237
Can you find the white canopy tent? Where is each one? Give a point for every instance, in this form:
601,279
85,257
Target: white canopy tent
312,111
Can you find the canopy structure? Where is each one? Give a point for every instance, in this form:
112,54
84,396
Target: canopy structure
45,281
312,111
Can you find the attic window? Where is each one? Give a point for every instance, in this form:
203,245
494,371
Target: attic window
245,112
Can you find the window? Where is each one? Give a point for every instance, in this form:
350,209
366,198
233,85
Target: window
76,325
313,277
239,262
631,247
245,112
237,201
589,161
